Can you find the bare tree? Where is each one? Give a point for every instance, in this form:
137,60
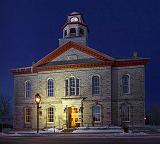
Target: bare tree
155,114
4,103
4,106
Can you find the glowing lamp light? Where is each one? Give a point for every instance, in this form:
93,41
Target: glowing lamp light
37,98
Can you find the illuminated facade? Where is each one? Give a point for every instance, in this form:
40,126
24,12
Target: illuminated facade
80,86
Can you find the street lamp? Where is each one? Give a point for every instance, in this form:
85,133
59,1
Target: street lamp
81,109
66,110
37,100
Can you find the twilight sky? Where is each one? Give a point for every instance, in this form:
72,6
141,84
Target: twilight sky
30,29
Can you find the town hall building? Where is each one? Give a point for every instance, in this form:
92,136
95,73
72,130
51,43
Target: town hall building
79,86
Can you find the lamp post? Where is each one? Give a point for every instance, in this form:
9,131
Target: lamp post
81,109
37,100
66,111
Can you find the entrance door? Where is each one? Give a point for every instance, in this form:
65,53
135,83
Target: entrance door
73,117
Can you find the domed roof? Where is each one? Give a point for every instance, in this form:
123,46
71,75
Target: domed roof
74,13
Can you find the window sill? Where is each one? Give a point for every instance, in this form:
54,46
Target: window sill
97,122
72,97
27,123
126,94
28,98
96,95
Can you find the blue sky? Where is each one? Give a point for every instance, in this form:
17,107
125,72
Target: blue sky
30,29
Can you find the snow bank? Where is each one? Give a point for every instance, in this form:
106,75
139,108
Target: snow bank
51,130
13,134
98,130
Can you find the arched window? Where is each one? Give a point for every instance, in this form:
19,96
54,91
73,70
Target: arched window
72,32
27,89
126,84
72,86
96,113
50,87
125,113
95,85
50,114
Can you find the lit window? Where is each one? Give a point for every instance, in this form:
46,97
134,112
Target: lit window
95,85
50,115
125,113
27,115
126,84
27,89
50,87
72,86
96,111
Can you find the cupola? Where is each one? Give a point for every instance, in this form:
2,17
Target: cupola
74,29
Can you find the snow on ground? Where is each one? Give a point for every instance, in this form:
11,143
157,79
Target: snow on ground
22,133
13,134
105,130
51,130
98,130
114,131
110,131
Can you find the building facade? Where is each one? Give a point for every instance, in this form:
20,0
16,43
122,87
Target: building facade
79,86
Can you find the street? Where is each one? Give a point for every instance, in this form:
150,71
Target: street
75,139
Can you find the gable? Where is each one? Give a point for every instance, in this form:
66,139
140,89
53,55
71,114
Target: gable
72,54
73,51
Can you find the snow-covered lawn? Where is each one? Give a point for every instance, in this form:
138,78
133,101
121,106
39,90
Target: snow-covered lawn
114,131
22,133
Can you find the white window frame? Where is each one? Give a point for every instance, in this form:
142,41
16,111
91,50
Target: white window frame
125,85
27,115
50,113
72,89
97,86
72,86
97,113
28,89
50,89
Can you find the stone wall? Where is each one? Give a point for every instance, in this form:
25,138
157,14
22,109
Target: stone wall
136,97
39,85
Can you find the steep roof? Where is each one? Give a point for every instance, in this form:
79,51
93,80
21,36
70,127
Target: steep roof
54,54
98,59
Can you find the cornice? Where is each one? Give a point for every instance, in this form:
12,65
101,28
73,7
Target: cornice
124,63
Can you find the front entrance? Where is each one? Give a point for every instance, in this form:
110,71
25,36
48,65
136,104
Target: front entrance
73,117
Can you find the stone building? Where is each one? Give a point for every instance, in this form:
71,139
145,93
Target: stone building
80,86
